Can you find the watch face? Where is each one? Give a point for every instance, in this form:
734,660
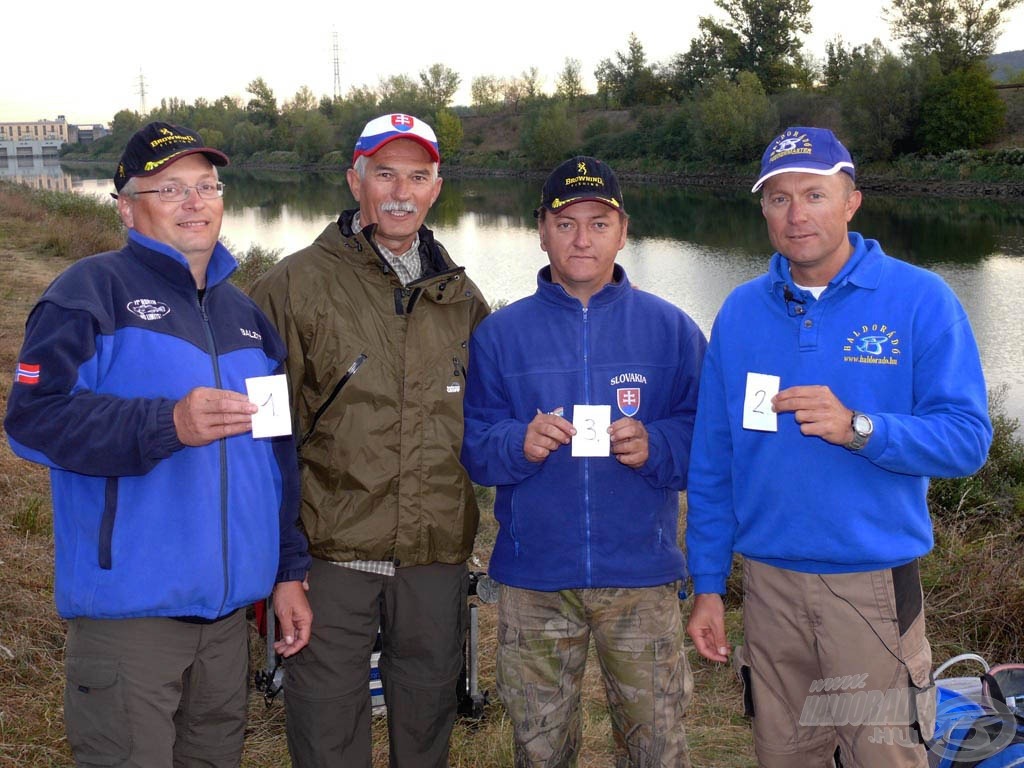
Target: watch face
862,424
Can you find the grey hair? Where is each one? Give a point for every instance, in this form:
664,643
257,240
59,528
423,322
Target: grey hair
130,187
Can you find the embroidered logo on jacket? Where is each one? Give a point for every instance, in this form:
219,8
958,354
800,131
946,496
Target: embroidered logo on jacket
148,309
628,400
875,344
27,373
251,334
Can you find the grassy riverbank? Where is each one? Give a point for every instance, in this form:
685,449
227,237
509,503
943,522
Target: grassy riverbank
974,580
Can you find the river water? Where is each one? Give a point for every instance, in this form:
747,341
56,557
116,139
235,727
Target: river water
690,246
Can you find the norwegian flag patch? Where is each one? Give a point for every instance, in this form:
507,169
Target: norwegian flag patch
628,400
26,373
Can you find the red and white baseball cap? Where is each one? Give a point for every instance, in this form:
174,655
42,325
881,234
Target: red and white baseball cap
386,128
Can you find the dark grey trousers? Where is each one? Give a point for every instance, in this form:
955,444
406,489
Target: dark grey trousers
156,693
422,615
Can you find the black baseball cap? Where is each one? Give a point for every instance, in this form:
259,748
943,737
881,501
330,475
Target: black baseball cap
155,146
580,179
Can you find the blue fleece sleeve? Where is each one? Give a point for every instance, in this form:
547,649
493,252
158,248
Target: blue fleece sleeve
710,518
948,433
669,438
58,419
492,445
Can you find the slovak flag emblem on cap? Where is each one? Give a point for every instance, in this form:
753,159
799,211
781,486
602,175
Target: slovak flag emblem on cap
386,128
628,400
403,122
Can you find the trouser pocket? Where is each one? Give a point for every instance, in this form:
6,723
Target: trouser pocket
94,711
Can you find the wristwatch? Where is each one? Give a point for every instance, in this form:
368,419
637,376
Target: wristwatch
862,429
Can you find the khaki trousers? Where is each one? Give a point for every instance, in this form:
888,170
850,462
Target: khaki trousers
837,659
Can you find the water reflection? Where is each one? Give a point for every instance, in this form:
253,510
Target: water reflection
691,246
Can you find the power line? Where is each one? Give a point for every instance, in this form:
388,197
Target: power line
337,68
142,93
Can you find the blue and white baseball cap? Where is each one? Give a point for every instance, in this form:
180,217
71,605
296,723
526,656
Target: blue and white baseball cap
804,150
387,128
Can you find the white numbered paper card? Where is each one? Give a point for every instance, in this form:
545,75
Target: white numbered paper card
591,422
270,393
757,403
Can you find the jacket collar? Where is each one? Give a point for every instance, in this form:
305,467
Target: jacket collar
170,262
555,293
863,269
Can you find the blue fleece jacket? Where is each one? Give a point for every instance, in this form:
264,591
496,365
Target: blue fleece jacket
144,526
889,339
568,522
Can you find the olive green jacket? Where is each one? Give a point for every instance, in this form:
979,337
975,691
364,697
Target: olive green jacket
381,478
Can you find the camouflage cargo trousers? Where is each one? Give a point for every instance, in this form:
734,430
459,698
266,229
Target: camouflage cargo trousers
543,640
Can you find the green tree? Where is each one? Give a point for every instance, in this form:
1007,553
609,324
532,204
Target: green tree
961,110
246,138
124,124
312,136
400,93
262,107
628,79
302,101
547,136
959,33
570,83
448,129
733,119
439,84
532,83
879,99
759,36
486,94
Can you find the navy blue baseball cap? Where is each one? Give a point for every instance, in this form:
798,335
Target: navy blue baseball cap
578,179
157,145
805,150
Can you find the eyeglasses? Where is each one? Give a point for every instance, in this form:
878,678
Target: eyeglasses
175,193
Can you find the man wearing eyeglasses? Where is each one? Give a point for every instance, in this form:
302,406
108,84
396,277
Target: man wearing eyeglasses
169,517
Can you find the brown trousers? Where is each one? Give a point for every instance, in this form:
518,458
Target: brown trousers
837,659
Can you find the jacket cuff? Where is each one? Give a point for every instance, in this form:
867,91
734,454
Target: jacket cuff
709,584
167,441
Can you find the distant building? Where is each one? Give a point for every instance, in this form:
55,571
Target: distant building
40,130
20,142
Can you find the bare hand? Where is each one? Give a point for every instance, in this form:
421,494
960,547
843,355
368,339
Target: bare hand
629,442
206,414
706,627
294,616
546,433
818,412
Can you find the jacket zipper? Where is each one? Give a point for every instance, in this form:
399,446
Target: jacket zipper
586,461
223,450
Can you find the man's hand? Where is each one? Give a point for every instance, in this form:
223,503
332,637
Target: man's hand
294,616
546,433
706,627
206,414
629,442
818,412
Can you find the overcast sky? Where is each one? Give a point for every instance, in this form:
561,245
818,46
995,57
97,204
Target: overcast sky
86,61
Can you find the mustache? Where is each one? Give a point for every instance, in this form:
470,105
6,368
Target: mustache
393,205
